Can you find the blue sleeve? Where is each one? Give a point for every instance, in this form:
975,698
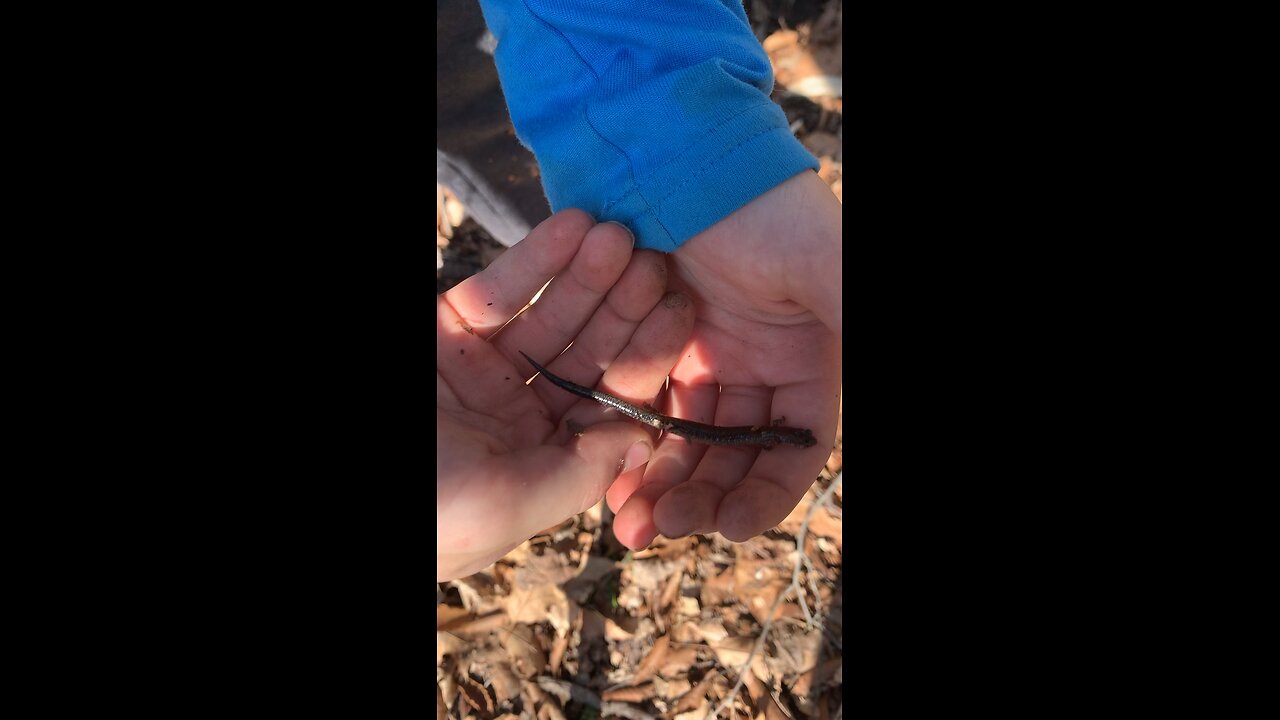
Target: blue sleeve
655,114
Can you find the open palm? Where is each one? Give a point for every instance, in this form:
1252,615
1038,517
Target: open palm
511,459
766,284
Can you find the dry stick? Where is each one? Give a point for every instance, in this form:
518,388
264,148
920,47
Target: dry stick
795,585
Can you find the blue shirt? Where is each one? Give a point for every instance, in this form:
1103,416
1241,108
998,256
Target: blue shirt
655,114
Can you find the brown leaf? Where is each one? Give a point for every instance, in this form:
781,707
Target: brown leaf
540,603
548,569
755,690
734,651
558,646
653,661
447,614
449,644
719,590
469,626
526,657
672,689
807,689
668,549
669,592
678,661
631,694
505,684
696,696
649,575
758,584
475,695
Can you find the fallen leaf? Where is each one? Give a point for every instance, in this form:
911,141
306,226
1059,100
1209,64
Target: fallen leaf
614,631
558,647
712,631
448,644
719,590
653,661
669,592
526,657
678,661
505,684
542,603
475,695
630,694
671,689
733,651
689,607
697,696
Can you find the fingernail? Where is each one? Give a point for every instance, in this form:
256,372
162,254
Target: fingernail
638,455
624,227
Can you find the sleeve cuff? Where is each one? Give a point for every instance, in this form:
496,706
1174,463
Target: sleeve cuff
731,165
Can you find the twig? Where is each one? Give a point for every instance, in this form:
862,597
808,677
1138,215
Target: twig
727,702
804,559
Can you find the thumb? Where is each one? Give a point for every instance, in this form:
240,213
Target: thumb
559,482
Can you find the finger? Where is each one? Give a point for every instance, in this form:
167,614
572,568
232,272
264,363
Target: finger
640,370
691,507
487,300
532,489
778,480
571,299
675,459
471,374
608,331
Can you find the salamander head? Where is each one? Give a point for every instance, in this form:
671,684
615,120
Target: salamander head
796,437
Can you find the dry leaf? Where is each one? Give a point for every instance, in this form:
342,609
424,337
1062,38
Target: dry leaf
795,653
712,631
719,590
614,631
807,689
734,651
685,632
669,592
649,575
472,627
447,615
668,549
475,695
697,696
526,657
671,689
505,684
630,694
543,603
698,713
678,661
448,644
558,646
649,667
548,569
689,607
758,583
